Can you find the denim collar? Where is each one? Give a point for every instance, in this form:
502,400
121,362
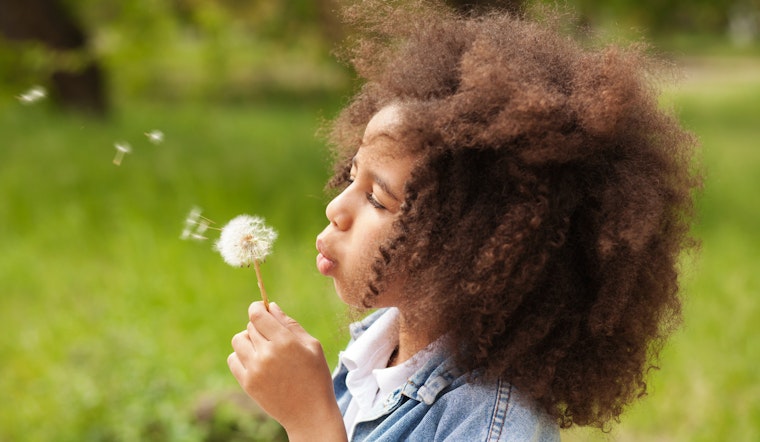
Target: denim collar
426,383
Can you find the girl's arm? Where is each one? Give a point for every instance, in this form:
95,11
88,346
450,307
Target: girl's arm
284,370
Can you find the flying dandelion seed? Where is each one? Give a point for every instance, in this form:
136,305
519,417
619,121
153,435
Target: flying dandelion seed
33,95
122,149
246,240
195,225
202,227
155,136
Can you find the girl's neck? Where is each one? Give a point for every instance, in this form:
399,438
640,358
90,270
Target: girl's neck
411,340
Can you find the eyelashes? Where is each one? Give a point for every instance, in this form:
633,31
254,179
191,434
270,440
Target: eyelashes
375,203
369,195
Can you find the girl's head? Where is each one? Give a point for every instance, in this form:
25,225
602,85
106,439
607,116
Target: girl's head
547,200
362,215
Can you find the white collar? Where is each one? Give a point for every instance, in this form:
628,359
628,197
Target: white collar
369,379
369,352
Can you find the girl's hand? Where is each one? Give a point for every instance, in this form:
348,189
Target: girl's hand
284,370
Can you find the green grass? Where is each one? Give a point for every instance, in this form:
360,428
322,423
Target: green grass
114,329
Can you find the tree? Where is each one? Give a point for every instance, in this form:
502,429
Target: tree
49,23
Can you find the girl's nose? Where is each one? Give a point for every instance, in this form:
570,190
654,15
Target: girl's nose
338,213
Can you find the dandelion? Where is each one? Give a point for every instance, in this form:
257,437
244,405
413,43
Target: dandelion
155,136
246,240
122,148
33,95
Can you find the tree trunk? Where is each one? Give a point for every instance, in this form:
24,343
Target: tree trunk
49,23
513,6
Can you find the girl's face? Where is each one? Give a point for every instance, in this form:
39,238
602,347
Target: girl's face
361,216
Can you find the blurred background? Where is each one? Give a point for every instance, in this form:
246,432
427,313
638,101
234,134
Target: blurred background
113,328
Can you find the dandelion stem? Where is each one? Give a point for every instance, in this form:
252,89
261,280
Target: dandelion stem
261,284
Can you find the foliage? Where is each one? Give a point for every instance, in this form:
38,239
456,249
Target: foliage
662,17
214,51
233,51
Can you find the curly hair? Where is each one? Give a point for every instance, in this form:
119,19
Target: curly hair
543,226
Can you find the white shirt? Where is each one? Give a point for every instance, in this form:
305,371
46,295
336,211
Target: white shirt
369,379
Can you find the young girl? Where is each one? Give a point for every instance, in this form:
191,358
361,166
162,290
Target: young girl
513,205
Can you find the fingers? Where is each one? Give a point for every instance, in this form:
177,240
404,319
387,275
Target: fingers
236,367
242,356
257,339
266,325
288,322
255,307
274,324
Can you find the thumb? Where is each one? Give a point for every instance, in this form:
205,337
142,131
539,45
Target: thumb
287,321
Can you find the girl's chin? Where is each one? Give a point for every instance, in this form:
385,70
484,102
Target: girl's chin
349,297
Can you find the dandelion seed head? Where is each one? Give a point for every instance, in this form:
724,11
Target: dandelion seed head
155,136
244,240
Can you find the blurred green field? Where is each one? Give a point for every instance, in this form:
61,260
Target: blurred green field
111,325
115,329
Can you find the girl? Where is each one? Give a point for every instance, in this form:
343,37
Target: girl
513,206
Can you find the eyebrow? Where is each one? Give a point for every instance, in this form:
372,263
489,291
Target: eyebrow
378,135
379,181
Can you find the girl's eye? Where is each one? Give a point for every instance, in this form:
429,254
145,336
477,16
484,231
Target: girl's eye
375,203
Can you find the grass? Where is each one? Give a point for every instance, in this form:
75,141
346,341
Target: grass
114,329
112,326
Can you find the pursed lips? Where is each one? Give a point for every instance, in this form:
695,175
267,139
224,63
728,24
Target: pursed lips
324,262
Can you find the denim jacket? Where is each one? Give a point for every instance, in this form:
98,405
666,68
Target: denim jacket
437,403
